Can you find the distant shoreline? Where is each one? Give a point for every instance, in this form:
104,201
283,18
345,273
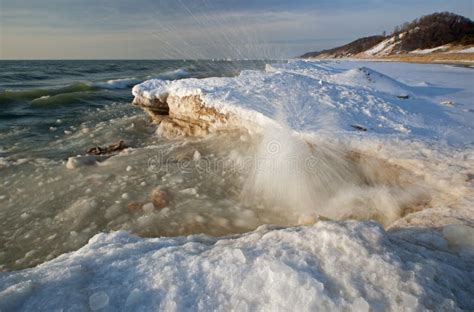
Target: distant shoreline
458,59
433,58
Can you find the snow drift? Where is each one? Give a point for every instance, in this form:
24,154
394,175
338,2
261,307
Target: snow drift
326,267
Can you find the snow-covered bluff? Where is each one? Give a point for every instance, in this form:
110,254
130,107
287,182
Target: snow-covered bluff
438,37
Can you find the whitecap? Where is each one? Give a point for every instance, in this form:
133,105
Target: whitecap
122,83
172,74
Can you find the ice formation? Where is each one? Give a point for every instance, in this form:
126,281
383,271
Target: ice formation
304,93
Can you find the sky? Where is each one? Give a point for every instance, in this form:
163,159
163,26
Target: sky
198,29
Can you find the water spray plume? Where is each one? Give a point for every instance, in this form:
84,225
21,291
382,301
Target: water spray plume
305,178
294,177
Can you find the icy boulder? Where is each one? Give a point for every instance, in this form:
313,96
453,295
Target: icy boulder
201,106
347,266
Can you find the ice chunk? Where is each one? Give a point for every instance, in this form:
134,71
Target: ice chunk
98,300
80,161
196,155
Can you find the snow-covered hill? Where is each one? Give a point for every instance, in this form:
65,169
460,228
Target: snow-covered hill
436,33
391,46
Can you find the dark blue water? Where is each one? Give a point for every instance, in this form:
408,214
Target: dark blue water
40,99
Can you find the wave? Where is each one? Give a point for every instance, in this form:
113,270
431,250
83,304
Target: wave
125,83
15,76
122,83
46,94
171,75
63,99
7,97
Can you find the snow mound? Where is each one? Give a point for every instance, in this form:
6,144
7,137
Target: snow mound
346,266
371,79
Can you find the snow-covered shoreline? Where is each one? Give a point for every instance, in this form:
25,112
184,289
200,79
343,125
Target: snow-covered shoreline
327,267
418,118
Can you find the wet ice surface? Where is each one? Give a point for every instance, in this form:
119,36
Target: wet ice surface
187,186
48,209
164,187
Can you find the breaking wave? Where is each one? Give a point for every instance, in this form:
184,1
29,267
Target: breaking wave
172,74
7,97
123,83
126,83
72,91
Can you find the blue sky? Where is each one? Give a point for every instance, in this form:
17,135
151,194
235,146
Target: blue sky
157,29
